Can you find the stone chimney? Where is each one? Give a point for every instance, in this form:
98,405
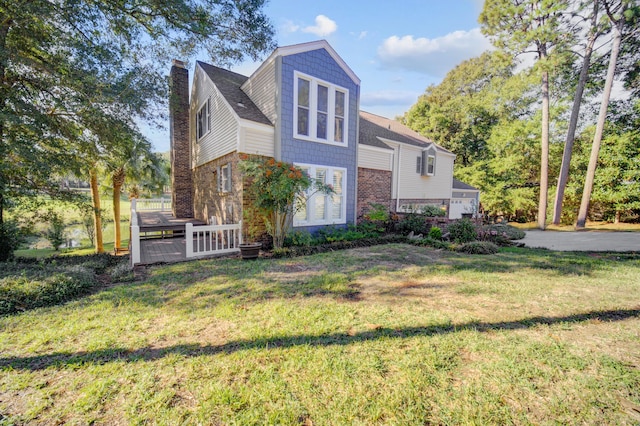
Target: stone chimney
181,176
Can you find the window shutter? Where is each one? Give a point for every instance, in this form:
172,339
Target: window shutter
423,164
229,186
219,178
419,161
208,114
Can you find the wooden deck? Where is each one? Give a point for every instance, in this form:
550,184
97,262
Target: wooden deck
165,250
162,237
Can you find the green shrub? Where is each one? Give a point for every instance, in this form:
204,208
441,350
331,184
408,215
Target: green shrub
462,231
37,286
478,247
435,233
412,222
10,239
431,242
299,238
433,211
377,213
122,272
55,234
339,245
98,263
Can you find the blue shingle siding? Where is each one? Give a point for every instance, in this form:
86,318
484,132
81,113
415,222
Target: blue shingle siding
319,64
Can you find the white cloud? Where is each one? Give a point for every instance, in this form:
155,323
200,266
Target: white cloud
324,26
362,35
388,97
434,56
290,27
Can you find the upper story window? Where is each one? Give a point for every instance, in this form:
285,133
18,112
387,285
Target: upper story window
202,120
320,111
428,162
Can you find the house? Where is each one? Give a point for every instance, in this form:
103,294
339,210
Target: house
300,106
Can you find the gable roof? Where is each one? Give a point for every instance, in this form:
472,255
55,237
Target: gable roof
373,127
308,47
228,83
458,184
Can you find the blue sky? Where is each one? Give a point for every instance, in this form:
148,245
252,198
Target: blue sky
396,48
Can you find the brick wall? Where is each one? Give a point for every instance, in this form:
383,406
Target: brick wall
374,186
181,175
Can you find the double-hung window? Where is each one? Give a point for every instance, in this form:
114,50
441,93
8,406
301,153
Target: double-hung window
202,120
321,110
322,209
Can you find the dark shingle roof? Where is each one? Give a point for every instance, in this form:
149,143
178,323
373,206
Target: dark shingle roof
457,184
228,83
374,126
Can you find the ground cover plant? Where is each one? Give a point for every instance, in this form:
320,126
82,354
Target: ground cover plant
32,283
390,334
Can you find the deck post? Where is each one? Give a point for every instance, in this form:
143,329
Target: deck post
135,243
188,239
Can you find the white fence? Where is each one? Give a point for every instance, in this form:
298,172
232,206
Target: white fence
208,240
151,204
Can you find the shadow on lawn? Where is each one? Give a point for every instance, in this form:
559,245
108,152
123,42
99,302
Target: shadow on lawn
62,359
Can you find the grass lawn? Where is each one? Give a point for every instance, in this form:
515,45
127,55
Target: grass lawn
393,334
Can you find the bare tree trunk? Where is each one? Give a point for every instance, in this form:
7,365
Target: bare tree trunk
544,153
563,177
97,220
118,178
597,138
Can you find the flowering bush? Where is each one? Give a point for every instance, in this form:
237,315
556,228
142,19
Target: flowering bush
278,189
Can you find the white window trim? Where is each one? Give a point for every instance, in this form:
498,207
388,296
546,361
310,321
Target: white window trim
311,169
427,173
224,186
207,104
313,110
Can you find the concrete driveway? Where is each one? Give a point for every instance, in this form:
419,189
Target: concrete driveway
583,240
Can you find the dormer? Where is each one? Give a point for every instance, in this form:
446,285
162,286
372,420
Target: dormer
429,156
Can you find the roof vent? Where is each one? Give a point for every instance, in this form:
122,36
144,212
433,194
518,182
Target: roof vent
241,105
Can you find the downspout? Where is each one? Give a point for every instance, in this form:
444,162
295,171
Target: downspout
357,149
398,180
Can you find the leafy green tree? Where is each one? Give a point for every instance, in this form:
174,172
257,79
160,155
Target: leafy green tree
593,30
460,111
616,190
74,75
519,26
624,16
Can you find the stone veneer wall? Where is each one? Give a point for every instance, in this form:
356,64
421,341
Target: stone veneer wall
374,186
181,175
435,201
227,207
208,202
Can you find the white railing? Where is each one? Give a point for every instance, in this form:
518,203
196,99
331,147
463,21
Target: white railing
151,204
212,239
134,237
